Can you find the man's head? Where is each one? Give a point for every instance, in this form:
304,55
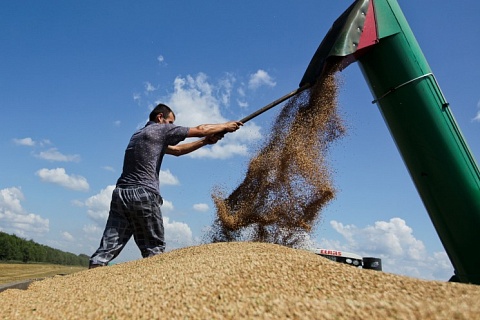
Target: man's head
162,114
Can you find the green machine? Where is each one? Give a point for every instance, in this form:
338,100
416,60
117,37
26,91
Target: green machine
375,34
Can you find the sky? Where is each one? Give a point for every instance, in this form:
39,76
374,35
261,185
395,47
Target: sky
77,78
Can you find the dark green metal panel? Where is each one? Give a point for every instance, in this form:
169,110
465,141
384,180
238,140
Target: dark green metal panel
427,136
341,40
386,21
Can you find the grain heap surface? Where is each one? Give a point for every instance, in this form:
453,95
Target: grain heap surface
288,182
239,280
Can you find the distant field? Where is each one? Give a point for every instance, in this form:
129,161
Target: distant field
19,271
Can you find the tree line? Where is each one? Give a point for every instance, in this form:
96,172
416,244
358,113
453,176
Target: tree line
13,248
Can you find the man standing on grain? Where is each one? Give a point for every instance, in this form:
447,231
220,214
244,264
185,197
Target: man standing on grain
135,206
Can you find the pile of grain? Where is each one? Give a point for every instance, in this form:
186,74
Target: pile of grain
239,280
288,181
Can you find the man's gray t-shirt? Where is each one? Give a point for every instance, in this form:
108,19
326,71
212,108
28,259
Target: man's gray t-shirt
144,154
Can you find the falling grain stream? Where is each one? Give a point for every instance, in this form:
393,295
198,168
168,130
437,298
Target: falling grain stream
288,182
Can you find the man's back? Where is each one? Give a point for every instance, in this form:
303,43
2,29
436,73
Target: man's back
144,154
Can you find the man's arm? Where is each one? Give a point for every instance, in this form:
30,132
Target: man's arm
211,132
204,130
184,148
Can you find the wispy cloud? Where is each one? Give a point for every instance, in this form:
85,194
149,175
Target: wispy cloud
29,142
53,154
149,87
24,142
60,177
477,117
91,229
161,60
202,207
137,97
242,104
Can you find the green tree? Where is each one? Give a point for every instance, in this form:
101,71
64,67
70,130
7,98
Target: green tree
13,248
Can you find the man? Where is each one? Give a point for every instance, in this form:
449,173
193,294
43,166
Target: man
135,206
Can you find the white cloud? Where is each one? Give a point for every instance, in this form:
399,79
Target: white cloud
393,238
99,205
60,177
15,219
393,241
194,101
202,207
10,199
54,155
261,78
197,100
24,142
167,178
167,206
177,234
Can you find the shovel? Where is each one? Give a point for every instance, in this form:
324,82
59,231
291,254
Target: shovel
276,102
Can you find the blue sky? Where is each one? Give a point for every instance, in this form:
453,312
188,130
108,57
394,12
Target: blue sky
78,78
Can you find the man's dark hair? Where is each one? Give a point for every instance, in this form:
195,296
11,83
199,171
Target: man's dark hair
160,108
